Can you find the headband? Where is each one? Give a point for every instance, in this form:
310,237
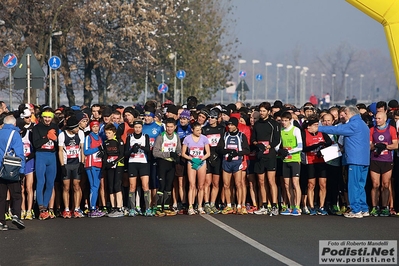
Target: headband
149,114
48,114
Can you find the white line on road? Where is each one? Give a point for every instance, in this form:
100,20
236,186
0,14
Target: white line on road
250,241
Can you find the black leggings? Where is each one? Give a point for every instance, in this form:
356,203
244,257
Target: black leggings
114,178
166,174
16,198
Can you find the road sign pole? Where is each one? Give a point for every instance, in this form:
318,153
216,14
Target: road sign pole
50,96
28,77
181,91
10,100
55,90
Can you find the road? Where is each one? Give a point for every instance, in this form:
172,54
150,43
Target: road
185,240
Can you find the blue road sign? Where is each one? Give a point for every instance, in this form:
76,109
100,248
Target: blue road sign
243,74
10,60
181,74
54,62
163,88
259,77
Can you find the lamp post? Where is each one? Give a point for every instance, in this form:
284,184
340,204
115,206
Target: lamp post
296,84
332,88
277,80
56,33
350,87
303,90
311,83
287,83
346,87
321,85
241,61
253,79
361,86
173,56
266,64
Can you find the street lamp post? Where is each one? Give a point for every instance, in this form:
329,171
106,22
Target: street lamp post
361,86
321,85
303,90
173,56
56,33
311,83
253,79
350,87
277,80
296,84
332,87
266,64
287,83
346,87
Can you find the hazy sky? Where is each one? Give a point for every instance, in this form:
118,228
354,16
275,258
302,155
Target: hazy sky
273,28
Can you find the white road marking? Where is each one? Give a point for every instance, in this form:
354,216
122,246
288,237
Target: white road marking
250,241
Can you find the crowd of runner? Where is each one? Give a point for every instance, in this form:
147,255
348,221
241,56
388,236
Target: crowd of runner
165,160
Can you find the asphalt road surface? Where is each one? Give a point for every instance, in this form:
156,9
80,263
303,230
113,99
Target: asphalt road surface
185,240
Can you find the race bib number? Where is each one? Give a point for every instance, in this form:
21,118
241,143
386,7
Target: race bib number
266,143
197,152
72,151
137,155
96,159
49,145
112,159
152,141
213,139
26,149
169,147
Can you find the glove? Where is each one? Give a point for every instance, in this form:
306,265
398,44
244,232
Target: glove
195,166
378,148
173,155
81,169
51,134
63,171
319,154
212,159
197,161
101,148
283,153
135,148
322,144
260,147
234,153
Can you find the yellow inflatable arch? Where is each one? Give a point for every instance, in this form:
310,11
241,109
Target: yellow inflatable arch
385,12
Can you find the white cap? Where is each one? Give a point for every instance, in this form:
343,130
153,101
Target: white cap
26,113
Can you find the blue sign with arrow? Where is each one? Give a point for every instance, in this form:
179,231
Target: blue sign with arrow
10,60
181,74
163,88
243,74
54,62
259,77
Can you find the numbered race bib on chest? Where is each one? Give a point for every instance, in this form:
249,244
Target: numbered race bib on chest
72,151
266,143
233,147
197,152
213,139
169,147
49,145
27,150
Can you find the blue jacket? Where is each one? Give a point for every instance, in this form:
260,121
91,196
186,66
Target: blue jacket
16,144
356,139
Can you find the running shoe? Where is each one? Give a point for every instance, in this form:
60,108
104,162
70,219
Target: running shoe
305,210
283,208
78,213
384,212
125,211
366,214
334,210
201,211
3,227
23,215
295,212
111,213
207,209
392,212
252,209
8,216
274,211
51,214
105,210
191,211
261,211
138,210
175,209
154,210
96,214
214,210
286,212
341,211
239,210
116,214
374,211
160,213
86,211
312,211
170,212
133,212
322,211
244,210
18,222
227,210
66,214
44,215
29,215
353,215
148,213
58,213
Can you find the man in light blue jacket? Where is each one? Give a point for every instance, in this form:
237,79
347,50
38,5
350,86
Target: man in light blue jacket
357,155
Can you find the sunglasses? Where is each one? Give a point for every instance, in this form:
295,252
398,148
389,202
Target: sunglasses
308,108
213,117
